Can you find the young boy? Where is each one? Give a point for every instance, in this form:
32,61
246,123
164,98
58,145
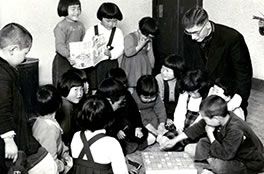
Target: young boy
15,43
47,130
230,146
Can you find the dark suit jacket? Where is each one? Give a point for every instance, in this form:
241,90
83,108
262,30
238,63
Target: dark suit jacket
227,58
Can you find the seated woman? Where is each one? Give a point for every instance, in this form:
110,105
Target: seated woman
92,150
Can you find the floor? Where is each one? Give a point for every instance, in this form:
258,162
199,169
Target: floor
255,119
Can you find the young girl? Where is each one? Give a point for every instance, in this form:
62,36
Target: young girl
92,150
193,88
70,29
112,39
47,130
170,74
221,89
139,57
71,90
149,103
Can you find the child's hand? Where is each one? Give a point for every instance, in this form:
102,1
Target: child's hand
167,143
107,52
169,122
121,135
209,129
10,149
161,128
138,132
69,164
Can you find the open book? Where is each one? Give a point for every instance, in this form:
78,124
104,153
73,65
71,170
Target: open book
87,54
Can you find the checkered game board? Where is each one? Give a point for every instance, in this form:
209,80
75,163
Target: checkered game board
168,162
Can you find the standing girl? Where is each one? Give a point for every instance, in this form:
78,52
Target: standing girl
70,29
139,57
110,37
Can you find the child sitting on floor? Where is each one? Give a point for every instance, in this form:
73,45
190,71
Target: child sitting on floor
221,89
230,146
47,130
150,105
93,151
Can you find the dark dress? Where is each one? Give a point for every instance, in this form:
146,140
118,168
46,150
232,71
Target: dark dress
81,166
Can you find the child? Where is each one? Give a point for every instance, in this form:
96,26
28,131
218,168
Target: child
71,90
92,150
139,57
47,130
230,146
170,74
221,89
70,29
128,127
83,76
15,43
150,105
193,88
111,37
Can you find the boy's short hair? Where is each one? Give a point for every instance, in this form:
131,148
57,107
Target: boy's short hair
147,85
194,16
195,80
177,64
148,25
68,80
95,113
118,74
214,106
64,4
15,34
48,100
109,10
112,89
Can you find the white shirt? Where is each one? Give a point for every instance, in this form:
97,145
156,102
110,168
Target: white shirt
118,40
105,150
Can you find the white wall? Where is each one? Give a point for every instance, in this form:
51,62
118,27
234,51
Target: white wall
40,17
238,14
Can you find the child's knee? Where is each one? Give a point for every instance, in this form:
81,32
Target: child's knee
151,139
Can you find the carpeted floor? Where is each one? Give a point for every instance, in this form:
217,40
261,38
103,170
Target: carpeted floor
255,119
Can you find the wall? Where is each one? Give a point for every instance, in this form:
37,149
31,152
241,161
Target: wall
238,14
40,17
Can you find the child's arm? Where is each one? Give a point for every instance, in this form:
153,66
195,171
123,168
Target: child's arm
117,44
60,42
234,103
152,129
151,54
131,47
180,111
160,110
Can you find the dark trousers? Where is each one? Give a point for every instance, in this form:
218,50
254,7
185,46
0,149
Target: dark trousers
217,165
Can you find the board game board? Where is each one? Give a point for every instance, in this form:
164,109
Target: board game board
168,163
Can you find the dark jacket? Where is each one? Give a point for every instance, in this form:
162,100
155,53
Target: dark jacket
12,111
233,141
223,54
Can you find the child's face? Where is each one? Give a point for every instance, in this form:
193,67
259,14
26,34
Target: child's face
109,23
74,12
214,121
167,73
217,90
75,94
17,55
148,99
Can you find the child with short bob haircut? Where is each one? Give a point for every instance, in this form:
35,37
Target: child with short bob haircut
150,105
92,150
47,130
15,43
171,72
231,146
70,29
138,57
193,87
71,90
110,36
